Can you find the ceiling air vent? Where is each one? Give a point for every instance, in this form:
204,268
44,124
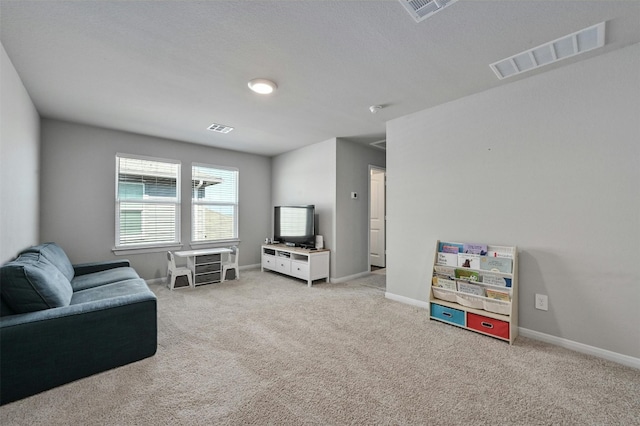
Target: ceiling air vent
220,128
565,47
380,144
422,9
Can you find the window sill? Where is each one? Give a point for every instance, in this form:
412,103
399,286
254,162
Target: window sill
119,251
214,244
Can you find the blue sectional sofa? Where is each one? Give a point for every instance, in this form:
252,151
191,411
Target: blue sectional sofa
60,322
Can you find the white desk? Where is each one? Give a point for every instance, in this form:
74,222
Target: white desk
205,264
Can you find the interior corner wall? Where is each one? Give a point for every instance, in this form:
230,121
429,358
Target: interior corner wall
308,176
549,163
352,215
78,190
19,163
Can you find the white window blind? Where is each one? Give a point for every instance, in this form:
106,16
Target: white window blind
214,203
147,202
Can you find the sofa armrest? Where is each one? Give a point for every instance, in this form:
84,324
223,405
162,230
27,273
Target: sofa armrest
89,268
43,349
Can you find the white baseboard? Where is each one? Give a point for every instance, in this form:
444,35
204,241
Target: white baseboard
349,278
255,266
626,360
629,361
407,300
162,280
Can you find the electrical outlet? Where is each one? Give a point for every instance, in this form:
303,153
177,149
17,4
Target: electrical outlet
542,302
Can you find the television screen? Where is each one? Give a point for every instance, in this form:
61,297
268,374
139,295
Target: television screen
294,225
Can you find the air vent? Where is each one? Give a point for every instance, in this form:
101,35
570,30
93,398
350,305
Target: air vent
220,128
422,9
380,144
571,45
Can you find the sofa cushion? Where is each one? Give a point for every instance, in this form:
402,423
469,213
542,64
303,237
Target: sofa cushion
56,256
94,279
5,310
32,283
126,288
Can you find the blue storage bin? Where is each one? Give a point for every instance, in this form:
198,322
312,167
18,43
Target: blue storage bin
450,315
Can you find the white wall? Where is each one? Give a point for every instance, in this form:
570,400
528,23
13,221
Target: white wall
308,176
19,163
352,216
551,164
78,187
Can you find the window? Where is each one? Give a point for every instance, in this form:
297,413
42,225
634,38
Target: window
147,202
214,203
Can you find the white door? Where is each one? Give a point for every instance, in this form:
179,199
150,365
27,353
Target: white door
377,219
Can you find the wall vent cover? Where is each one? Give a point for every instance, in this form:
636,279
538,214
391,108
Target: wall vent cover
565,47
220,128
422,9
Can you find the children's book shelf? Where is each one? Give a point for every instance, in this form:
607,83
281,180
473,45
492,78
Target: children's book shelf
475,286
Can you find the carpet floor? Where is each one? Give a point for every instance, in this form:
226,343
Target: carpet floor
268,350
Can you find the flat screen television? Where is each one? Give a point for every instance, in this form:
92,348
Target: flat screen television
294,225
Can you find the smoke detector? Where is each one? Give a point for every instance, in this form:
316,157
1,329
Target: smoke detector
422,9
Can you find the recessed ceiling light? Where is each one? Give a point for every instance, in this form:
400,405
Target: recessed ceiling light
262,86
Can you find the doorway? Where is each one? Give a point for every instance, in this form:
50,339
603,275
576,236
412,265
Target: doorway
377,219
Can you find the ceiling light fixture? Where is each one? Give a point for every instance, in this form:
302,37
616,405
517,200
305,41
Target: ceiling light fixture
375,108
262,86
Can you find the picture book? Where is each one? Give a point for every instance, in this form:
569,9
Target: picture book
495,264
444,283
466,260
449,247
445,270
498,295
467,275
447,259
480,249
466,287
499,251
496,280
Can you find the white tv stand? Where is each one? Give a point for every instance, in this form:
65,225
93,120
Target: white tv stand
308,265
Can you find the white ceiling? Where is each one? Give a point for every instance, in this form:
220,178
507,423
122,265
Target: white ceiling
172,68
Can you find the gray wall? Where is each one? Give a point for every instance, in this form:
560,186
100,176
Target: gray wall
352,216
325,174
308,176
78,187
550,163
19,163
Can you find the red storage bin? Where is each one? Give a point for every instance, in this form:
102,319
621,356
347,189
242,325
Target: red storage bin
488,325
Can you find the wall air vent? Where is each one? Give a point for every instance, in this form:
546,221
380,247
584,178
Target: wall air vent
565,47
380,144
220,128
422,9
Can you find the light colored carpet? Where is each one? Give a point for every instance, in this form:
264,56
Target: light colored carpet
269,350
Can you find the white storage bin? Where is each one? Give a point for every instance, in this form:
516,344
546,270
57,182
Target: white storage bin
444,294
470,301
497,306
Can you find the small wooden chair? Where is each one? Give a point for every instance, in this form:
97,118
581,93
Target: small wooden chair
231,263
174,271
